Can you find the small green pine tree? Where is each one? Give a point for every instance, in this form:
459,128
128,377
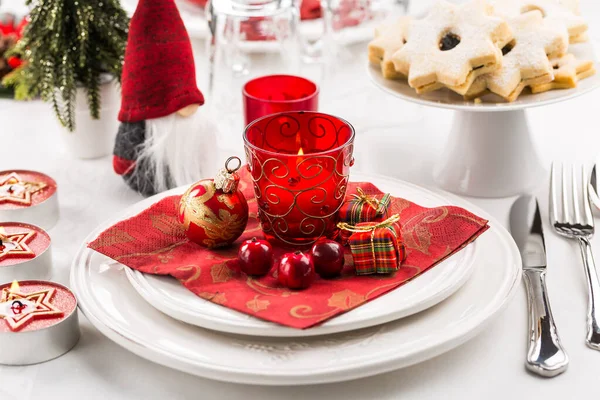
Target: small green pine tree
70,43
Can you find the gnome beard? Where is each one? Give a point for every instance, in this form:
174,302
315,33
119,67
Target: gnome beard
166,152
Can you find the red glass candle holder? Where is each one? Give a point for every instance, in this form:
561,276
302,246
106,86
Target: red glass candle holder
279,93
300,165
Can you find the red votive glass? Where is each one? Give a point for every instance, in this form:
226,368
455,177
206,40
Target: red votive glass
300,165
279,93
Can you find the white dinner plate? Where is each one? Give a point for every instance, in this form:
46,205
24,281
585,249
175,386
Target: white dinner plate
169,296
114,307
447,99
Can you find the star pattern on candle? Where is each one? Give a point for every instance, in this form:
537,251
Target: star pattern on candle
41,307
15,244
17,191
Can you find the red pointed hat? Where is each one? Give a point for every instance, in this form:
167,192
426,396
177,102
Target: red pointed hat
159,75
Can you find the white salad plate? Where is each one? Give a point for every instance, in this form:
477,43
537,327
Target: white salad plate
167,295
112,305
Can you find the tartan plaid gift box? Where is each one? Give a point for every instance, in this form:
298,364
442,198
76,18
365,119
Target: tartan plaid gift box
377,247
363,207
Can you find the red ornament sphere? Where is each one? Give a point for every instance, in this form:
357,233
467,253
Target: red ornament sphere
328,257
210,217
14,62
255,257
296,270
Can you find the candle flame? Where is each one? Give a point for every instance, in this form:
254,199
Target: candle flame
300,152
14,287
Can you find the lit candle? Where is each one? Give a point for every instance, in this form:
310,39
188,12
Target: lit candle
38,322
300,164
28,196
25,252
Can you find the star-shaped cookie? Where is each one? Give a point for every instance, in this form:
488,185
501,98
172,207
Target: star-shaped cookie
14,190
568,70
572,5
452,45
15,245
525,61
552,10
389,38
39,305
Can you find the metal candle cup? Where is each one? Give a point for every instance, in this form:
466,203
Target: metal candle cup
40,322
28,196
300,165
272,94
25,252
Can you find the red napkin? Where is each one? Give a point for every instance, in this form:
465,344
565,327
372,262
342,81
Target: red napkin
154,242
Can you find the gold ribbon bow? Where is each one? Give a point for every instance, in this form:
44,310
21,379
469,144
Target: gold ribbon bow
371,227
370,200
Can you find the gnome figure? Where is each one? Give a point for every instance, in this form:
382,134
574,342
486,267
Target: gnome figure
163,141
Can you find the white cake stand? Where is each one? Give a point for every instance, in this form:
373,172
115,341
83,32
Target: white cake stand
490,152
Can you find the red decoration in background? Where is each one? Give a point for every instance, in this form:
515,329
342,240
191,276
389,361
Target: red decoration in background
14,62
310,9
278,93
199,3
299,164
9,26
152,242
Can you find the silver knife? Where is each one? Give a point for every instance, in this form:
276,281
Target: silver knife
545,355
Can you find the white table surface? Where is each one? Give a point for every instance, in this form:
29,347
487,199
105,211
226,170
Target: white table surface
395,138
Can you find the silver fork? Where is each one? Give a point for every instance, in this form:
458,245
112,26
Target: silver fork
575,221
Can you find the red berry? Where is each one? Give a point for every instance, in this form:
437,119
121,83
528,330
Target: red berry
255,257
14,62
296,270
328,257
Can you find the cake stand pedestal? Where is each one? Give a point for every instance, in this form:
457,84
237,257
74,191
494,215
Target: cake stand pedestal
489,154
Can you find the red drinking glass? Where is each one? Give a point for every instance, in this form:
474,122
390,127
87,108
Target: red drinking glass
278,93
300,165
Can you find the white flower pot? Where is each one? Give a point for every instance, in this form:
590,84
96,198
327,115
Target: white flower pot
94,138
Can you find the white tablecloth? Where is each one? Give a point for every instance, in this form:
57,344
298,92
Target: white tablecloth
395,138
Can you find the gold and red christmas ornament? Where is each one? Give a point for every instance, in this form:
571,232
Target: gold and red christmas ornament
38,321
25,252
214,213
28,196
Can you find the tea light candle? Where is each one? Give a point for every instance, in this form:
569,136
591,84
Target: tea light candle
28,196
25,252
38,322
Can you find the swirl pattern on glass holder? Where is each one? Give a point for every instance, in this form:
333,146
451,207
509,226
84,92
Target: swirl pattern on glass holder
297,205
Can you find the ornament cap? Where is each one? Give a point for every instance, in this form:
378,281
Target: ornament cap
227,178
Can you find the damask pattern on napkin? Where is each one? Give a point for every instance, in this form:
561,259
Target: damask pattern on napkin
153,242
